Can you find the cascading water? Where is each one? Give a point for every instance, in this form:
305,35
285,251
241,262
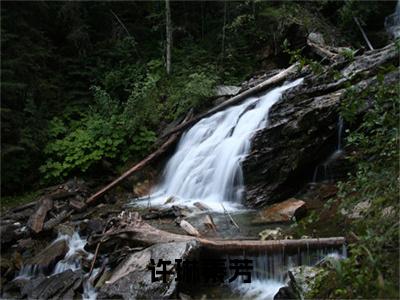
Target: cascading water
71,261
321,171
206,165
270,269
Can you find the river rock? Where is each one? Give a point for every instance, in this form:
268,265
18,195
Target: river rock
132,278
62,285
48,257
284,211
300,280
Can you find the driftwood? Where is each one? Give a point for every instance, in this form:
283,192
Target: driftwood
209,223
131,227
270,82
164,147
37,219
50,224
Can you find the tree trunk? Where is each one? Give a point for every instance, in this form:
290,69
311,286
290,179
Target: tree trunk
168,27
172,139
131,227
223,34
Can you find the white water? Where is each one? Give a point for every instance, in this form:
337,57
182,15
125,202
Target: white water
206,165
71,261
321,171
76,250
269,271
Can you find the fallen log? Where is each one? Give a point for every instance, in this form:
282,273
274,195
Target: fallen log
164,147
131,227
270,82
230,246
50,224
36,221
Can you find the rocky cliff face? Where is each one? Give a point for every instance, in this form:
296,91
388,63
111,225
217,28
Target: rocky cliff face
302,130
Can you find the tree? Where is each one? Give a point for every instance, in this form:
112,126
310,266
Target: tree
168,26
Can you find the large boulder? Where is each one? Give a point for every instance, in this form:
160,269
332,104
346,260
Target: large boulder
132,278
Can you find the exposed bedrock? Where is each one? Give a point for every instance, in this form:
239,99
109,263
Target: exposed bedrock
303,128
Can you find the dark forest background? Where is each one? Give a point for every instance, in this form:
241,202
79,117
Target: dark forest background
83,84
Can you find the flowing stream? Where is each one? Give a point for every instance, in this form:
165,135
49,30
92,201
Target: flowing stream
71,261
206,166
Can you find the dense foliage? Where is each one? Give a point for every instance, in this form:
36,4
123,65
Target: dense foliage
84,83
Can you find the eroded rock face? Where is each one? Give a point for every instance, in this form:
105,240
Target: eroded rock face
302,130
132,278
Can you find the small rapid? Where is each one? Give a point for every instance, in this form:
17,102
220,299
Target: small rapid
71,261
206,166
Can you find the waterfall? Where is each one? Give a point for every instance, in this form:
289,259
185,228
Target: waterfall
321,171
206,166
270,270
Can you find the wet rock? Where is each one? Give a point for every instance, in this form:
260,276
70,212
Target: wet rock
10,233
64,229
95,226
56,286
132,278
46,259
305,277
299,281
285,211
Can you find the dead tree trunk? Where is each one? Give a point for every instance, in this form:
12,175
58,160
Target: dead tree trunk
132,228
168,27
171,140
37,219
